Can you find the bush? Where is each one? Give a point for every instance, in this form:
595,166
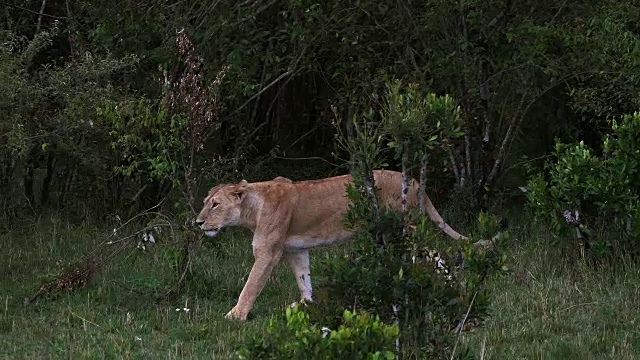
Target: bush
410,278
150,144
396,272
582,194
359,336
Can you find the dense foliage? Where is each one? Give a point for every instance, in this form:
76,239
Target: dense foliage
546,69
359,336
411,279
590,199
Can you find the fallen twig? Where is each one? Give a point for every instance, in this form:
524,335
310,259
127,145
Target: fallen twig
461,325
81,273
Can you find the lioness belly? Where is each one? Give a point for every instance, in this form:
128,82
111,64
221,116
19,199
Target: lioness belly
294,243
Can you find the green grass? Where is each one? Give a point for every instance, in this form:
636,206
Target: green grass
118,316
551,308
545,309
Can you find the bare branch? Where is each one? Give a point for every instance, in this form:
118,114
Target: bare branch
467,152
558,12
314,128
501,16
461,325
505,141
39,13
423,181
44,3
283,75
514,126
305,159
454,166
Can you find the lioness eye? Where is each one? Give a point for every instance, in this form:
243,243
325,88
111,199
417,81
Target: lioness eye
213,205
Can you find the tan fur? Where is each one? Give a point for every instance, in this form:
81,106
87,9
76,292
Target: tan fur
282,179
288,218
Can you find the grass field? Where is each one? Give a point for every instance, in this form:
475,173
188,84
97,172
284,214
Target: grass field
545,309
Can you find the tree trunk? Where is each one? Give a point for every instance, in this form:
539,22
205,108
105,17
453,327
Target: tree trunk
30,164
423,181
66,185
46,182
404,148
350,135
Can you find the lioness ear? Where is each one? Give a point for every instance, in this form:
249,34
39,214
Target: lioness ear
239,190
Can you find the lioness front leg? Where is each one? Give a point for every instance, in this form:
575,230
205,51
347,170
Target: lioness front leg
299,262
265,260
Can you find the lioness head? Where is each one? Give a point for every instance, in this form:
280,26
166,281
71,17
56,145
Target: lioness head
221,208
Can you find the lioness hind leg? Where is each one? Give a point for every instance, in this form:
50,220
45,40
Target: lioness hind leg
299,262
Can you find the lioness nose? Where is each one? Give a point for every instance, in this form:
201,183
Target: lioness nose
199,222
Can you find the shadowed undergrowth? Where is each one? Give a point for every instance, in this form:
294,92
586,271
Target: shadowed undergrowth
545,309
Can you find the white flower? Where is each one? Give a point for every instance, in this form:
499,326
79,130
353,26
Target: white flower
138,338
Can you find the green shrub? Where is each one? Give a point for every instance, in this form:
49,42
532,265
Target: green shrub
601,191
150,144
403,281
359,336
395,272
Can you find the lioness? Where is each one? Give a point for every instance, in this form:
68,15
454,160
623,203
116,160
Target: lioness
288,218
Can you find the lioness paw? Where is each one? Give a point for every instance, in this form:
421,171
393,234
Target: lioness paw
236,314
302,302
487,244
